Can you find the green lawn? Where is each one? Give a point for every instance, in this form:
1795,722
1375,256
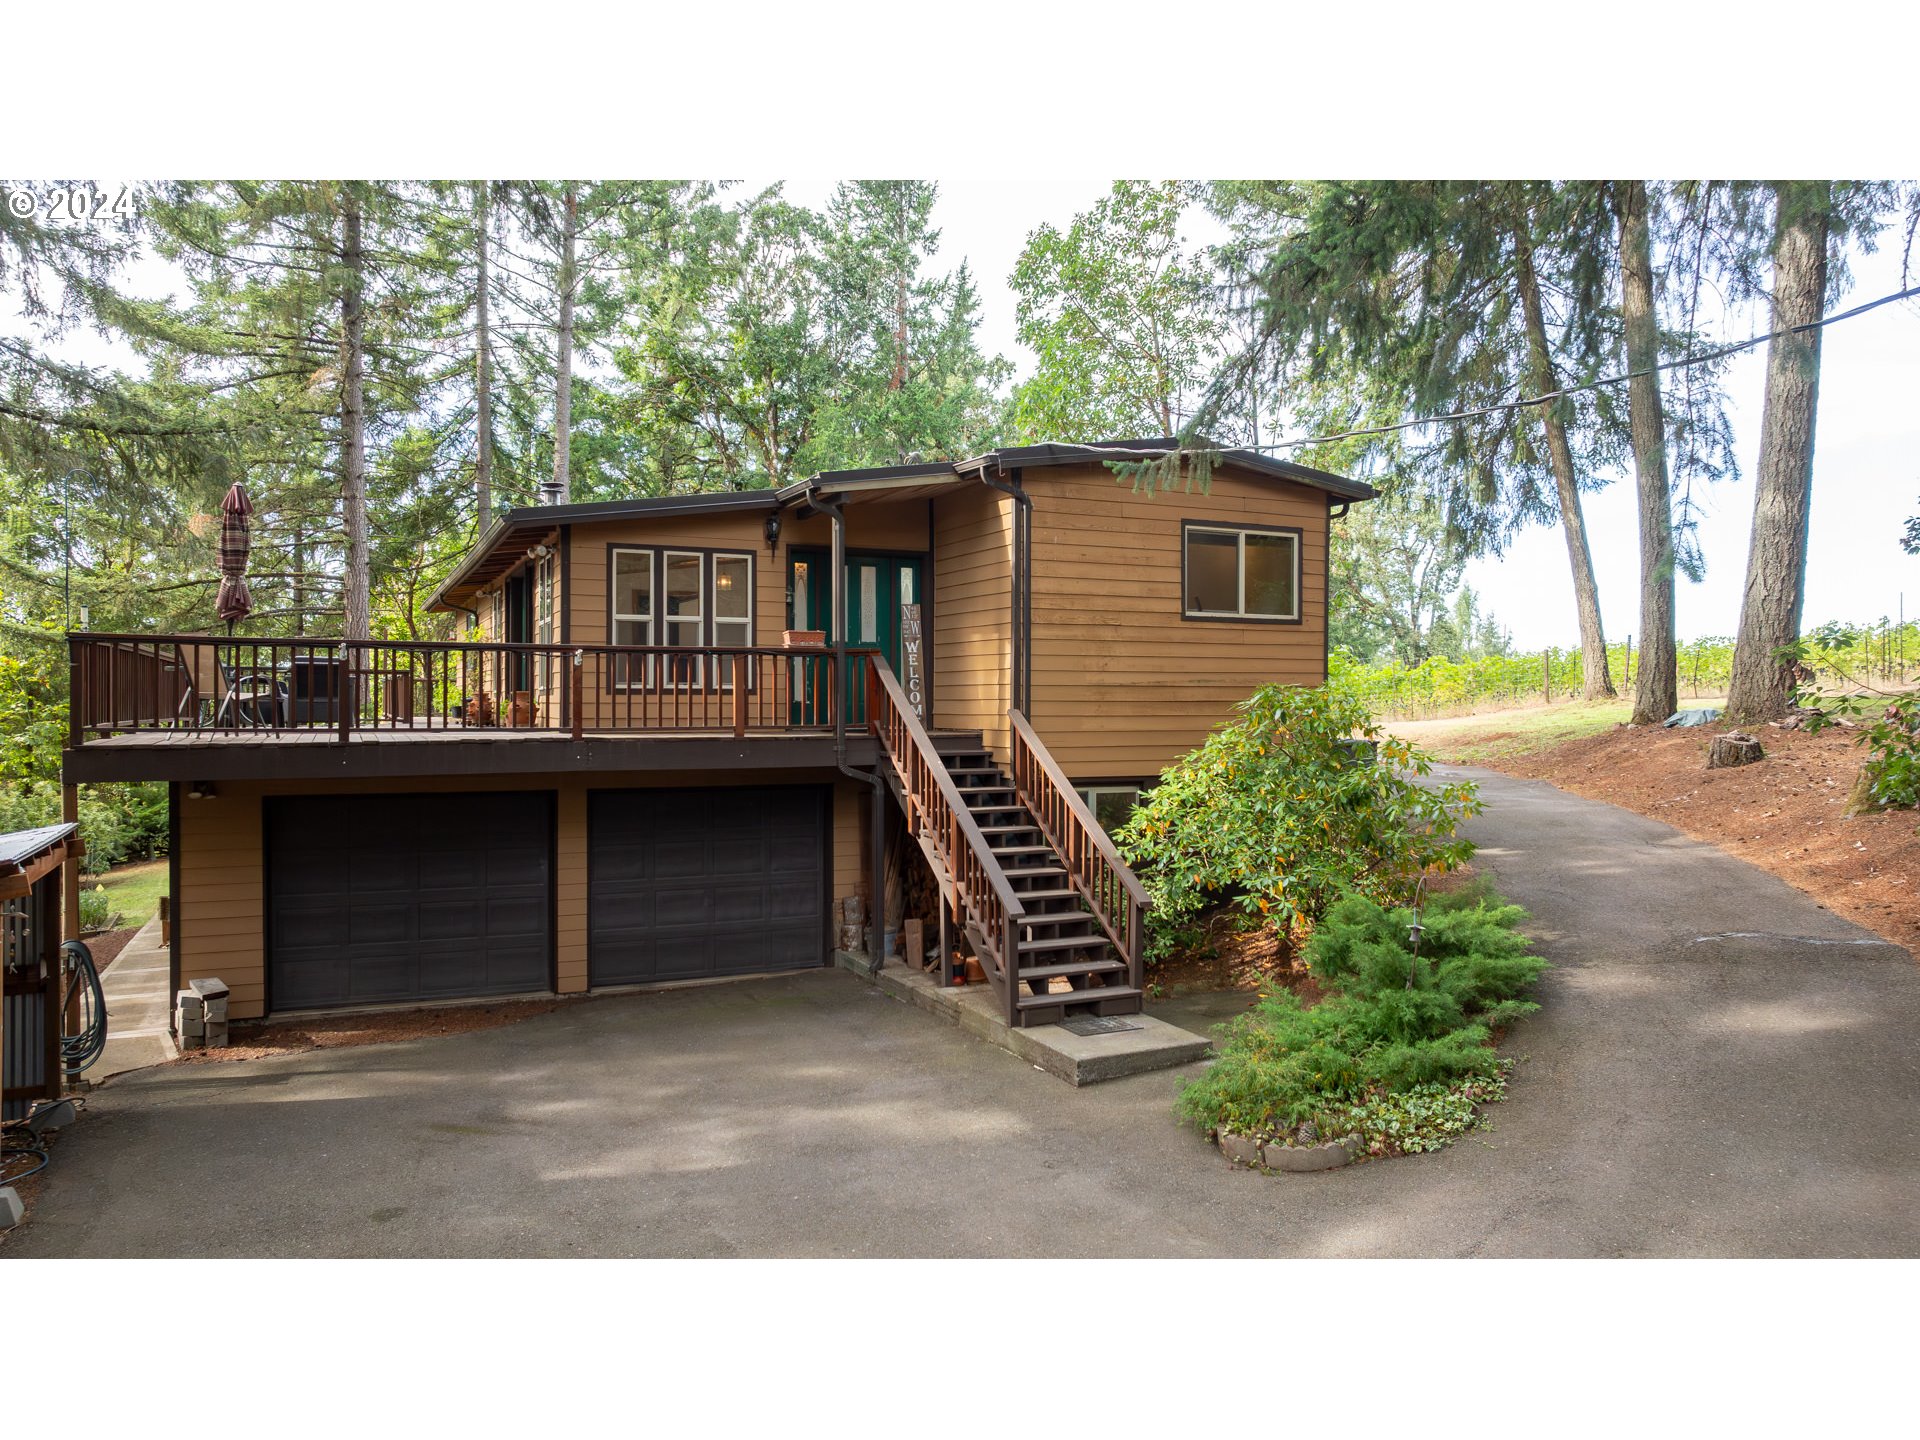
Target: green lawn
1472,739
134,889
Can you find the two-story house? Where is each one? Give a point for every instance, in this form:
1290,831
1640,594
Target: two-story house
668,745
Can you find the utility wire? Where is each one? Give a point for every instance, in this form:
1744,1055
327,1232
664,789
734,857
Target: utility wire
1123,453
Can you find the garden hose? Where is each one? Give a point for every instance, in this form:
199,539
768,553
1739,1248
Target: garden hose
17,1130
81,1049
7,1154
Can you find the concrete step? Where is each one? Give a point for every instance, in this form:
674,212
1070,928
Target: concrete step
1076,1059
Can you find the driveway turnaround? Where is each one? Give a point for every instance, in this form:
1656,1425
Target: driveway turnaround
1721,1067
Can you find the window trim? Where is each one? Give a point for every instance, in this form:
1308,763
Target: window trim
705,622
1240,531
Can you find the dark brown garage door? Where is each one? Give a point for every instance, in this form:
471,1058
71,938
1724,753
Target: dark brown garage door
407,897
688,883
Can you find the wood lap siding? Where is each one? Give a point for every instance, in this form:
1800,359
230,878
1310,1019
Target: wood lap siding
223,890
1122,684
849,871
743,533
972,600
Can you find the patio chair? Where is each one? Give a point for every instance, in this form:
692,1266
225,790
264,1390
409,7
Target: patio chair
250,697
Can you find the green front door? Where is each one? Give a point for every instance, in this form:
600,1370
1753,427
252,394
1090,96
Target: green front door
877,587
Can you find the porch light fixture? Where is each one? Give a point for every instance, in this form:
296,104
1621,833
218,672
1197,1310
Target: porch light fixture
201,790
773,531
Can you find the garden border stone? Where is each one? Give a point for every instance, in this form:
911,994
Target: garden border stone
1276,1158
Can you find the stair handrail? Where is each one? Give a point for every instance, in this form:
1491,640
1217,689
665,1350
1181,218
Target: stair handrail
981,889
1108,885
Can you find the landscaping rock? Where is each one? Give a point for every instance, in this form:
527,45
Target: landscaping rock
1733,749
1241,1149
1299,1159
50,1117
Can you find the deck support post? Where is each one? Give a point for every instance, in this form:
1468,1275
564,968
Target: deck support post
69,930
878,879
946,945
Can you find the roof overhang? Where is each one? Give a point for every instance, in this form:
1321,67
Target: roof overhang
1029,457
27,856
903,482
500,550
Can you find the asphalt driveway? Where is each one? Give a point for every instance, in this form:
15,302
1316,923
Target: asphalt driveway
1721,1067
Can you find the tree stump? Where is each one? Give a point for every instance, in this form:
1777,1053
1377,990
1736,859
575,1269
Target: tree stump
1733,749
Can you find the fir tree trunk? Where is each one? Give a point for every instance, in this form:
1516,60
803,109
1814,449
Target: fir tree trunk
353,419
1597,683
483,366
1762,687
1656,692
563,385
299,579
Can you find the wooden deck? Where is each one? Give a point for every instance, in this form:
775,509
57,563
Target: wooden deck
398,751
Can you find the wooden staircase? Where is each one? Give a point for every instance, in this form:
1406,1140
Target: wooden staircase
1054,916
1065,962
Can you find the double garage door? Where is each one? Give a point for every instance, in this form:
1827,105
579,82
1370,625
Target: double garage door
385,898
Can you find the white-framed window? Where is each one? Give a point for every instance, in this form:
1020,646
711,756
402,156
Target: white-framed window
684,599
683,613
732,609
632,618
1239,573
545,583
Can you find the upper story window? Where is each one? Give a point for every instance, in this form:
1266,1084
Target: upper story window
545,583
1239,572
688,599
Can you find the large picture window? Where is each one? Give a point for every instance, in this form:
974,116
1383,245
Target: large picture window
1240,573
686,599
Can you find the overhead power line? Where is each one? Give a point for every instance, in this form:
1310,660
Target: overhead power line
1115,452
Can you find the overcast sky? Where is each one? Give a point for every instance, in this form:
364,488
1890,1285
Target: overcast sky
1867,461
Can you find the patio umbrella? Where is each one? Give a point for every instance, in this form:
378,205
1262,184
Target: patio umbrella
235,602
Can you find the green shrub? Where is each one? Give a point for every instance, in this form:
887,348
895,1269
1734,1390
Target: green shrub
1889,733
96,909
1282,809
1401,1037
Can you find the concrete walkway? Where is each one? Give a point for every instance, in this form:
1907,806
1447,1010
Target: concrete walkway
1721,1068
138,1002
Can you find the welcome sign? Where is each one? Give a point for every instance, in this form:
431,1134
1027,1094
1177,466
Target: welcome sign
913,671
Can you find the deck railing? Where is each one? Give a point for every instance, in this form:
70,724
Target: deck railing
1112,891
247,685
986,902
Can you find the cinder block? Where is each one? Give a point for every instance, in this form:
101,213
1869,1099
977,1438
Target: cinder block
191,1025
12,1212
191,1042
216,1011
188,1003
51,1117
209,989
216,1036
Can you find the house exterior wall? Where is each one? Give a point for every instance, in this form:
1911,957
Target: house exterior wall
221,907
1123,684
972,601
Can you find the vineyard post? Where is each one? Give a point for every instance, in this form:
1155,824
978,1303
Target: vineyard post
1546,676
1626,666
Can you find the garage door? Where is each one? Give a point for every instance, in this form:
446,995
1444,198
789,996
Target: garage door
407,897
689,883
